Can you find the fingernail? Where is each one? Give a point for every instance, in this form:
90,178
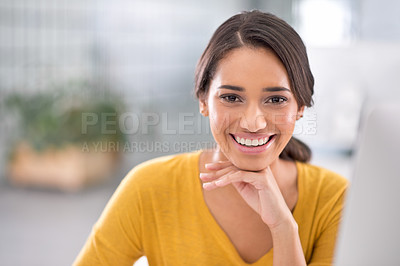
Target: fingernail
207,185
202,175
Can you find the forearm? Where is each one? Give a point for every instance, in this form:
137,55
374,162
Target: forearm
287,246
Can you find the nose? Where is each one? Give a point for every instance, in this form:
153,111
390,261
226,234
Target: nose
253,119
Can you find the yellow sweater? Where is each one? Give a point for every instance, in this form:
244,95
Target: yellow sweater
158,211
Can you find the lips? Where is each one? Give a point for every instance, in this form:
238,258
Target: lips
254,149
254,141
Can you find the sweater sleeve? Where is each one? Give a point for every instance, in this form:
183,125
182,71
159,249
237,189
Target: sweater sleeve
115,239
324,246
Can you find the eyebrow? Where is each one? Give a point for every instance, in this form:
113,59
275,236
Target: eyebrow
268,89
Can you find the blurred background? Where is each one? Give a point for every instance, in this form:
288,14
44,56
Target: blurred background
89,89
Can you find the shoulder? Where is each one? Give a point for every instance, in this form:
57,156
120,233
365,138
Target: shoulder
320,177
322,187
322,193
152,184
162,169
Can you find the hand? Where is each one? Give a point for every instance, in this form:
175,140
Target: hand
258,189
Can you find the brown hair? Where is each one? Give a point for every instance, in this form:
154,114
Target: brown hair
258,29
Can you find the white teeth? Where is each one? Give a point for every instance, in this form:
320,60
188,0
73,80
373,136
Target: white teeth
250,142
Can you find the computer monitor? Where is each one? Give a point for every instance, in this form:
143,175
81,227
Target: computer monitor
370,230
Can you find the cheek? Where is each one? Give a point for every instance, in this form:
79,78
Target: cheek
220,120
285,122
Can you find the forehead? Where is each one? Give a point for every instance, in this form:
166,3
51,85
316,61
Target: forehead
248,67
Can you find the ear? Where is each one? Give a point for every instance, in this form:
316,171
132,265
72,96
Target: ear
203,106
300,112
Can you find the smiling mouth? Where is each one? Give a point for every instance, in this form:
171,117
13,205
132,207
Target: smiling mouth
252,143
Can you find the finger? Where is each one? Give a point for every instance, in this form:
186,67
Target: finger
215,175
212,184
218,165
256,179
209,186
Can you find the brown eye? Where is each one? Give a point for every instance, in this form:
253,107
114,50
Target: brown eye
277,100
230,98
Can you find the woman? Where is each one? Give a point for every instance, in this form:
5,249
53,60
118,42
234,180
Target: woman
253,199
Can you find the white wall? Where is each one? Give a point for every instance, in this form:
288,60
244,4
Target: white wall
346,78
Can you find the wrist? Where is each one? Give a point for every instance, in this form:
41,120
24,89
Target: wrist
288,226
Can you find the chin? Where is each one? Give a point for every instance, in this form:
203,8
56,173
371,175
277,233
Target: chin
250,164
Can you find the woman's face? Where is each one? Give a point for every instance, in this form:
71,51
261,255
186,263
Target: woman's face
251,107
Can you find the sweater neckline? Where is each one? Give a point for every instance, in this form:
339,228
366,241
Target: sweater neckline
216,229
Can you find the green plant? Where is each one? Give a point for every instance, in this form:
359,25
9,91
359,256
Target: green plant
54,117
